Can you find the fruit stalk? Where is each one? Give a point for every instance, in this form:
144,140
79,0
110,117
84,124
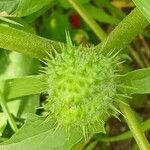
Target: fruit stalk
134,127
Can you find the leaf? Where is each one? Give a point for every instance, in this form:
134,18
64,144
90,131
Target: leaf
31,18
3,61
55,26
24,86
112,8
100,15
18,23
3,122
20,8
18,65
39,134
66,4
10,21
28,104
138,81
91,145
144,7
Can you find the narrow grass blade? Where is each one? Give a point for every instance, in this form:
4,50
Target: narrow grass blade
138,80
24,86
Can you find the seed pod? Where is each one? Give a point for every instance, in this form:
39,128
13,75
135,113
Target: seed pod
82,87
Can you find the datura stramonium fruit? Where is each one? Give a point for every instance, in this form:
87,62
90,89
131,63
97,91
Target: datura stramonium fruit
82,87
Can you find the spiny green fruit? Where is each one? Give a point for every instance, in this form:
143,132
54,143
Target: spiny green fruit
82,87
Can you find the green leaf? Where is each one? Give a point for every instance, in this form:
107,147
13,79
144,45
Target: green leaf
55,26
3,122
18,23
39,134
21,106
100,15
24,86
18,65
20,8
3,61
112,9
138,81
31,18
66,4
91,146
144,7
10,21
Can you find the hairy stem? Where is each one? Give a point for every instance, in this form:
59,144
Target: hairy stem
26,43
35,46
134,127
88,19
125,32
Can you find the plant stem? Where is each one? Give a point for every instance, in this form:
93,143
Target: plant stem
88,19
126,135
134,127
26,43
7,112
35,46
124,33
135,55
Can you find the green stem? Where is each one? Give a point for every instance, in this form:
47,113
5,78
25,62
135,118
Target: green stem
7,112
35,46
134,127
135,55
124,33
126,135
88,19
26,43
